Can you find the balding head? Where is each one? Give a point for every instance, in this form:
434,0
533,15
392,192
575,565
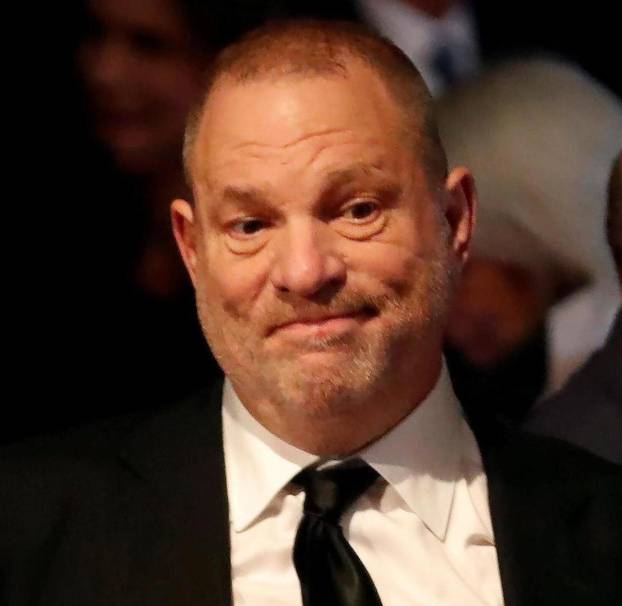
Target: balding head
306,49
614,213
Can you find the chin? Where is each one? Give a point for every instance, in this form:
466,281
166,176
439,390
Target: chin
321,397
324,382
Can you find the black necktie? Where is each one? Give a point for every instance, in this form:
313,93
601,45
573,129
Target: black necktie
330,573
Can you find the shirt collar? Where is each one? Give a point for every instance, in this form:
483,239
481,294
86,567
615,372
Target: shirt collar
419,458
258,464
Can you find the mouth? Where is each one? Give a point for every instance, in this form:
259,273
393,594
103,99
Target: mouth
324,325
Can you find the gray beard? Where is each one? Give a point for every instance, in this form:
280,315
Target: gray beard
366,371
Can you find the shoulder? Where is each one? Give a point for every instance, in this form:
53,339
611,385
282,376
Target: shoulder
95,447
525,452
587,411
551,469
52,464
78,510
44,480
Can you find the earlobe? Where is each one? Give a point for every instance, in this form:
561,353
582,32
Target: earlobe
184,229
460,210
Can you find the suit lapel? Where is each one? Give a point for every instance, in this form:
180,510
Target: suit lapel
541,516
181,532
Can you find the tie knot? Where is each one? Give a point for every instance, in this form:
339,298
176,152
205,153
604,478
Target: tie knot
329,492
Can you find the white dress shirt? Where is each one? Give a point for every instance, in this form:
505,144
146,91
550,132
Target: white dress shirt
423,530
420,36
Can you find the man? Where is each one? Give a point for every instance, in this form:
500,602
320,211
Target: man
324,241
588,411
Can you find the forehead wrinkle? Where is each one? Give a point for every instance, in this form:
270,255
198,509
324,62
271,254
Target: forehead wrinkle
289,144
371,146
254,149
301,160
349,168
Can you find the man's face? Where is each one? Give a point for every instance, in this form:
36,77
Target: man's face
319,249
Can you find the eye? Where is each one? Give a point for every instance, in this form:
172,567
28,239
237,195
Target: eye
247,235
248,227
362,211
361,219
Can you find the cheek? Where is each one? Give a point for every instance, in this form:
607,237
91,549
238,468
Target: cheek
390,264
234,284
398,258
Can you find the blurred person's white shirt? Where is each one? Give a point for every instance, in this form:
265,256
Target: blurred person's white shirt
421,36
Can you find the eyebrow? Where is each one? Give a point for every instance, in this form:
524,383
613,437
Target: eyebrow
340,178
244,197
344,176
252,198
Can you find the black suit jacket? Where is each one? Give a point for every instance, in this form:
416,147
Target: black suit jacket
134,512
588,410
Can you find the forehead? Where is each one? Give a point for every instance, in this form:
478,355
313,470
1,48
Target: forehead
294,119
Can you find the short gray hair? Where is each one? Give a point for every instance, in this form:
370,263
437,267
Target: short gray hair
309,48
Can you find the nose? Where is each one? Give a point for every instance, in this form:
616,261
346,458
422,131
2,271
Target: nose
306,261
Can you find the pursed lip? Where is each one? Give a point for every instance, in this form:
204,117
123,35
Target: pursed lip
317,321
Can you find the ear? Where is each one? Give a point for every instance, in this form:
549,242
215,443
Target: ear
460,210
185,228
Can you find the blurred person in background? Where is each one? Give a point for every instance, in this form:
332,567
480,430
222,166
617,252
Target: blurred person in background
588,410
439,36
451,41
540,291
142,66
